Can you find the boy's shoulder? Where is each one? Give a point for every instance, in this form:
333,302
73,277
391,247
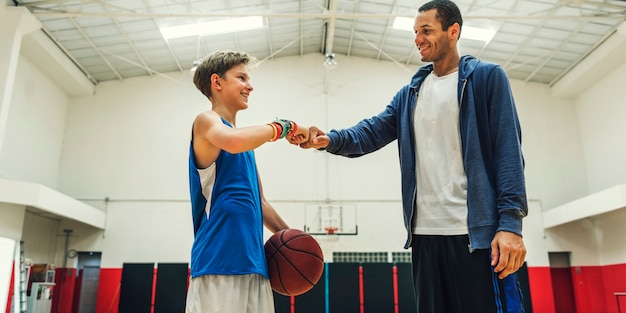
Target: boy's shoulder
209,114
206,119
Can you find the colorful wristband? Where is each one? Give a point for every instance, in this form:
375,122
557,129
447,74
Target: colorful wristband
294,129
275,131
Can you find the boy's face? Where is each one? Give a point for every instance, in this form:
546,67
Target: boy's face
235,87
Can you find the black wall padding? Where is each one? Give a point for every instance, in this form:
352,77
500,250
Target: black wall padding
343,284
314,300
136,288
282,304
522,278
171,288
378,287
406,296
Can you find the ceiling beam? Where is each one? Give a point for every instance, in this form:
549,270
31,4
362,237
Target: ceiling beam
322,15
330,26
604,58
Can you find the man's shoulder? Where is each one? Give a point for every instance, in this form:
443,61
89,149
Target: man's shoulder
474,67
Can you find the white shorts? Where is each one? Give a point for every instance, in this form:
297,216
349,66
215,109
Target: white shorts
230,294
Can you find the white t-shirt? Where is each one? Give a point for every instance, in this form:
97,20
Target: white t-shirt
441,180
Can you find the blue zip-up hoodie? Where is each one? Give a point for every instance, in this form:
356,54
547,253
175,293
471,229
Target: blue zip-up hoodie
490,143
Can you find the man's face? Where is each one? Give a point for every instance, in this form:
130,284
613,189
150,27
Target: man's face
431,40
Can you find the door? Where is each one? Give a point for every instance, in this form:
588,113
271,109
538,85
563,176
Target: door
89,267
562,284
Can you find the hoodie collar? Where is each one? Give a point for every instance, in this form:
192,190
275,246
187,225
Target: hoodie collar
467,64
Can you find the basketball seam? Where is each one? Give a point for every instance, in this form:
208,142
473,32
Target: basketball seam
293,238
296,269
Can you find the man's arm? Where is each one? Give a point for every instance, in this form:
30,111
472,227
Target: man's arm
508,251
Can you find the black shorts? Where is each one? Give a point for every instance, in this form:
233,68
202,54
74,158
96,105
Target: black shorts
450,279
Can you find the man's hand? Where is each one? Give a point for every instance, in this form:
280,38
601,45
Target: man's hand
317,139
507,253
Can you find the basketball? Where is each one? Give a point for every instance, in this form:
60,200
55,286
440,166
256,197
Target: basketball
294,260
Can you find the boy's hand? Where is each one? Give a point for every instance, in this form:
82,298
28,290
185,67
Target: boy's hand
317,139
301,136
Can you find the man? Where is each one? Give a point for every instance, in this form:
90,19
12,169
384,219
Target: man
463,189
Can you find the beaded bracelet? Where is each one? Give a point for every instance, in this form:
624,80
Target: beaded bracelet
275,128
279,130
283,128
294,129
291,128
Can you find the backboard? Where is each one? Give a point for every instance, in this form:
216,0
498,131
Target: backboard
330,219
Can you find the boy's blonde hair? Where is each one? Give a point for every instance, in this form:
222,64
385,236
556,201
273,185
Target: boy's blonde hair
217,63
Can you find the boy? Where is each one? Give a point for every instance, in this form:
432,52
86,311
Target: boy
228,266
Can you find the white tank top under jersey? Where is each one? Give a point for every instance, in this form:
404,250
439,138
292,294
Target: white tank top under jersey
441,181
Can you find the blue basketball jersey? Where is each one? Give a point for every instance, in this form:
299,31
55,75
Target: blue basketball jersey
227,217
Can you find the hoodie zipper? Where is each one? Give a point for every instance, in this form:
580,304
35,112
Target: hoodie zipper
469,245
410,241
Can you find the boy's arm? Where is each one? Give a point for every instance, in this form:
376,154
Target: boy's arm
209,127
211,135
271,219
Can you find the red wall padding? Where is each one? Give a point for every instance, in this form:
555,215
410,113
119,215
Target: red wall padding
563,289
594,288
63,294
109,290
614,281
11,286
540,283
589,288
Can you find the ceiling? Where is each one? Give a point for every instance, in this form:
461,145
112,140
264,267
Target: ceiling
536,40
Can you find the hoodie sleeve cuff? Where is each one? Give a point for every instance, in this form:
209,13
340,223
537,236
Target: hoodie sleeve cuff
511,221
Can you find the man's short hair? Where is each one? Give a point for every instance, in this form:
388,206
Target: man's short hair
448,12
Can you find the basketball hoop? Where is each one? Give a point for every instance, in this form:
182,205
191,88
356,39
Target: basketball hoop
331,230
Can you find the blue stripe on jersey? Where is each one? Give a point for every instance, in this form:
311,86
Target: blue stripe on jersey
510,288
496,291
513,294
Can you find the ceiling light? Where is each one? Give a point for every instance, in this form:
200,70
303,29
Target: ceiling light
212,28
195,65
403,23
467,32
475,33
330,62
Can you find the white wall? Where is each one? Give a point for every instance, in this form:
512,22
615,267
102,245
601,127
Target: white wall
34,133
611,236
601,114
294,88
535,239
42,245
129,143
130,139
602,118
555,167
